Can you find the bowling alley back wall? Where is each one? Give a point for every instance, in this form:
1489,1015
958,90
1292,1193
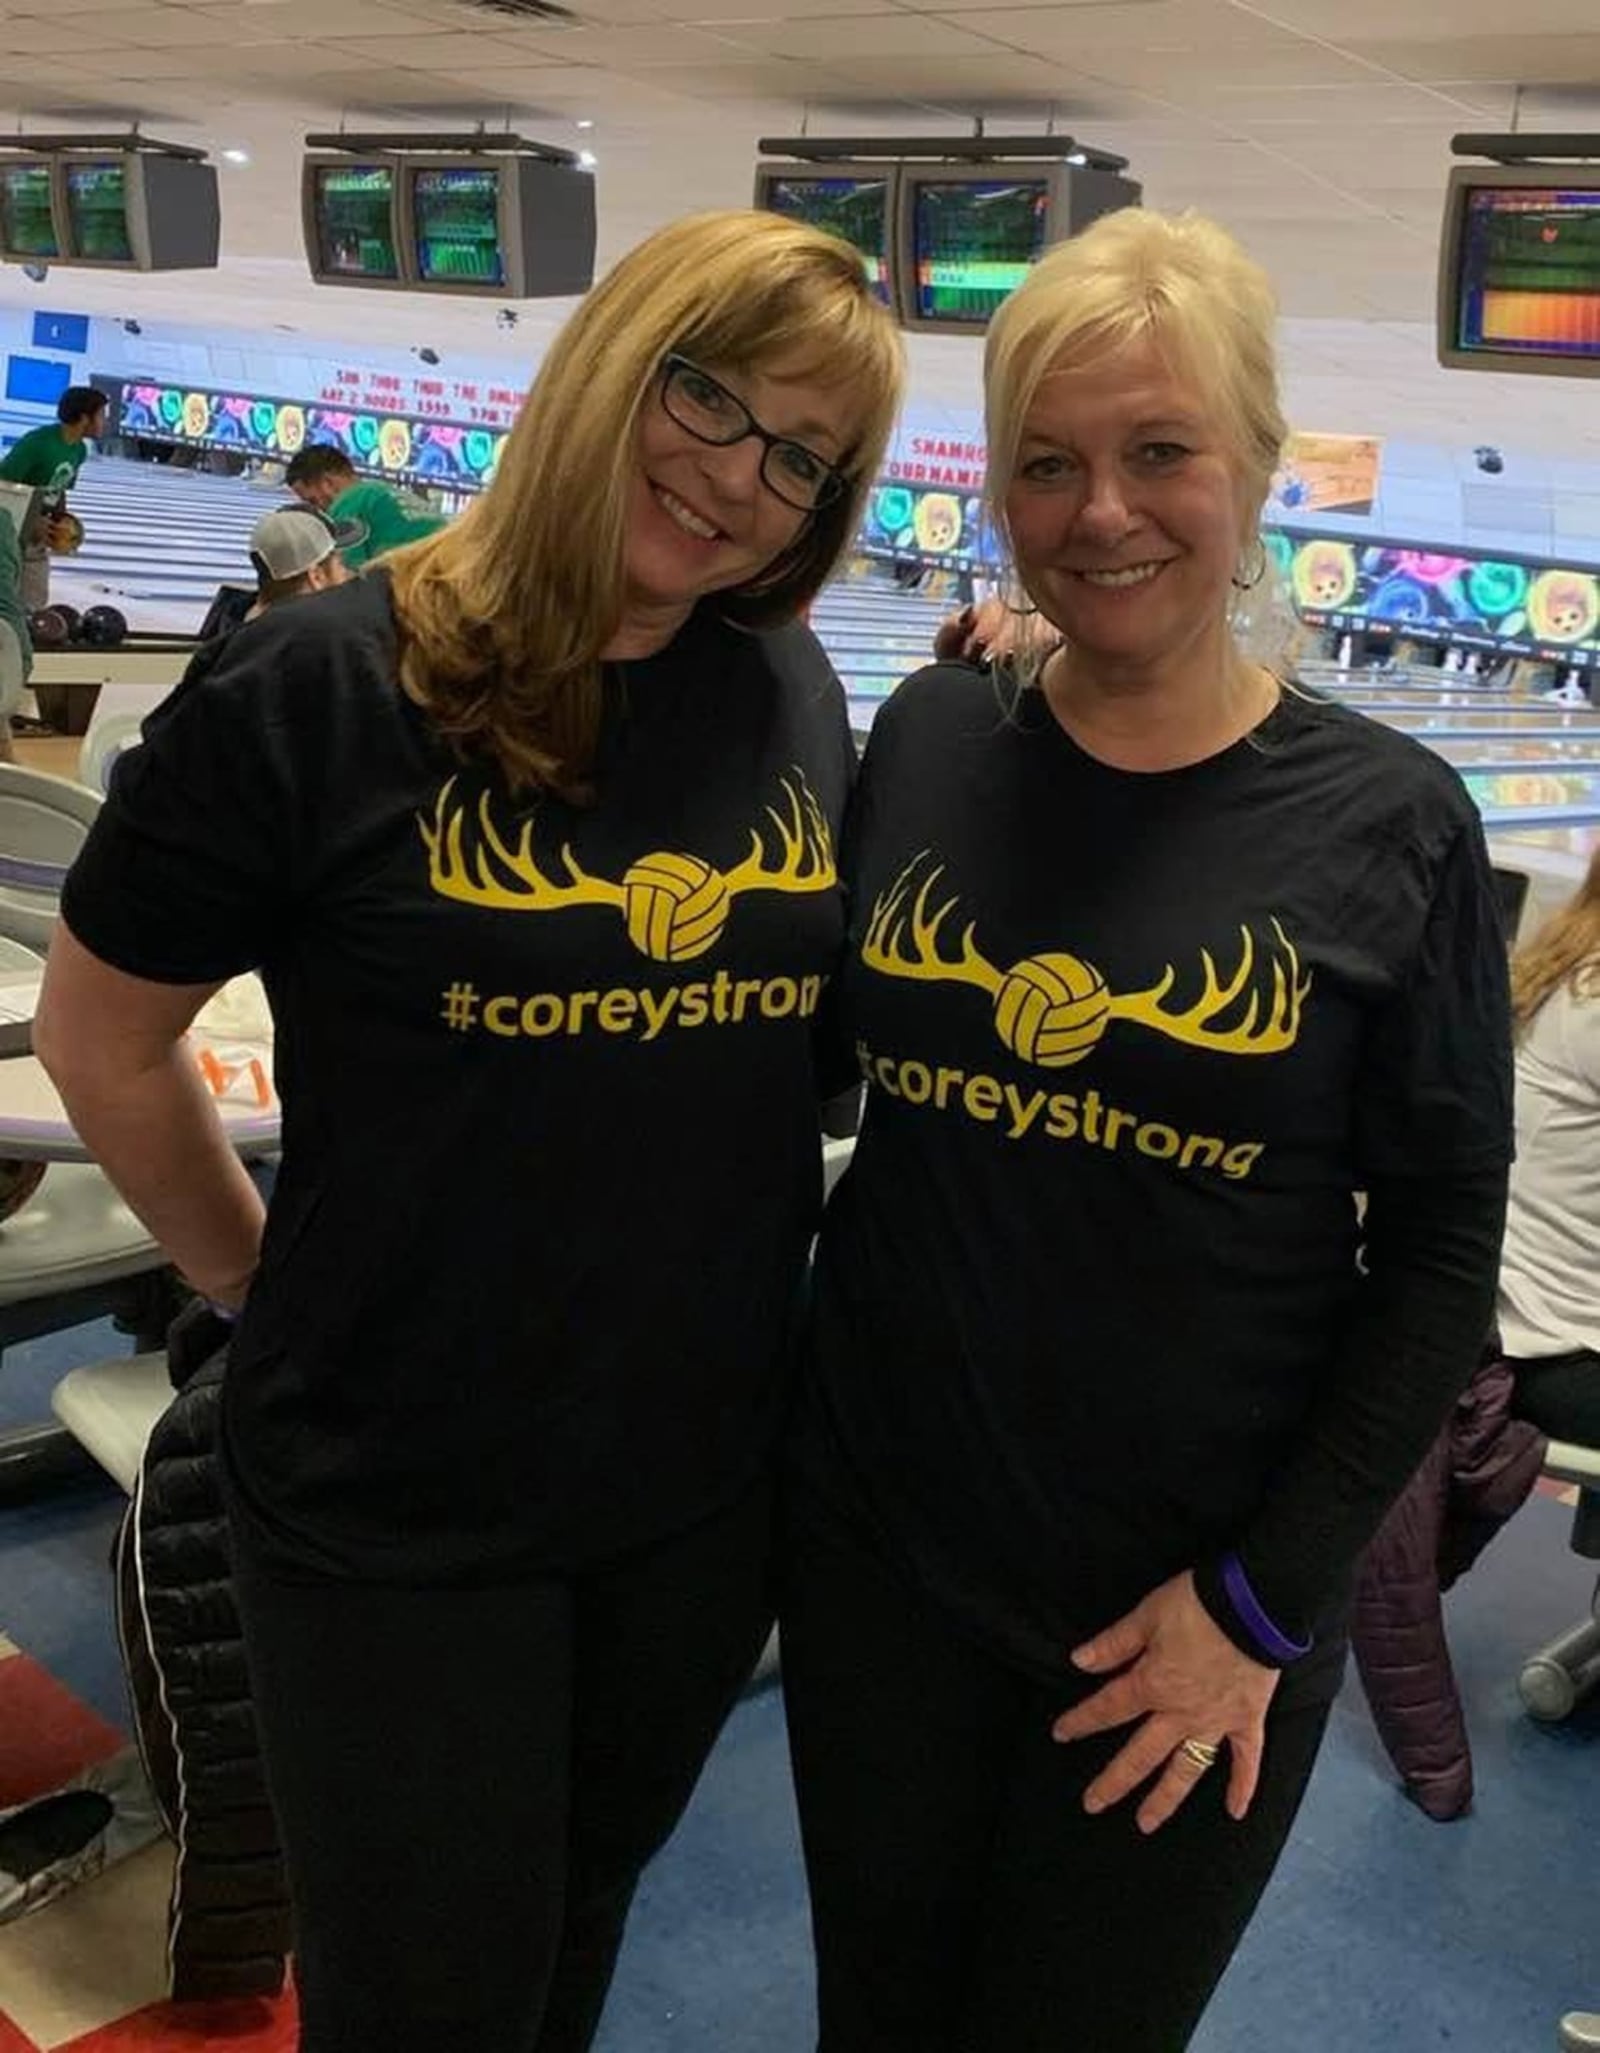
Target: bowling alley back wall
444,425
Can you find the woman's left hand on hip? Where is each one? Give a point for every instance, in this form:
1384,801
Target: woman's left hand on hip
1188,1691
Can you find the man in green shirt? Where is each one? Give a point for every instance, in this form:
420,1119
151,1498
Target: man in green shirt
324,477
16,644
49,459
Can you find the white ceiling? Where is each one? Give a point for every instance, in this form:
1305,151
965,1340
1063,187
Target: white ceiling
1317,129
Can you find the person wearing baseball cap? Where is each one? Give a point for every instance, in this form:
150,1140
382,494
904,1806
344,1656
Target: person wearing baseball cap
295,549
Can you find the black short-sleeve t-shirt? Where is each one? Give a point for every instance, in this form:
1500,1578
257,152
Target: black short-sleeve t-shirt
550,1143
1132,1042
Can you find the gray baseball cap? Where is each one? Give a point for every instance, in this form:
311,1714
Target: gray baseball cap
290,540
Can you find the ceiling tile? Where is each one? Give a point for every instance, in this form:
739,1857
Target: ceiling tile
277,21
146,28
1425,20
845,40
439,51
1151,25
34,36
1513,58
1000,75
726,16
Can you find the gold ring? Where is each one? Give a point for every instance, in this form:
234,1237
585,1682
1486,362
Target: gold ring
1200,1751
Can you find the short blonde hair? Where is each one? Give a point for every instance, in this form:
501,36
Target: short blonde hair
1176,280
504,613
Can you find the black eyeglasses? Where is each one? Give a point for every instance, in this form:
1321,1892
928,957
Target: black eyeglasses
711,413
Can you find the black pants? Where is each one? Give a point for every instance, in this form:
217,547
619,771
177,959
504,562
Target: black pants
1560,1394
962,1900
469,1781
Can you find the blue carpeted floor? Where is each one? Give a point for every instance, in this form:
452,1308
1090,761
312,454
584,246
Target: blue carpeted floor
1380,1931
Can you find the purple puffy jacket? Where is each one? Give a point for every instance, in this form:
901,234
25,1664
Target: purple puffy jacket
1476,1474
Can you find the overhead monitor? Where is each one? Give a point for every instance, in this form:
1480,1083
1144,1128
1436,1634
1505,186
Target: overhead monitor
29,232
503,226
1519,269
137,210
98,229
352,233
970,233
854,201
496,224
455,221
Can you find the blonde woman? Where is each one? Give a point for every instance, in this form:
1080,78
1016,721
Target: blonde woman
1150,971
1550,1268
531,834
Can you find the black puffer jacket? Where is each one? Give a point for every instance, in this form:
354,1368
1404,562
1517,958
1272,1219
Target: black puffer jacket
228,1920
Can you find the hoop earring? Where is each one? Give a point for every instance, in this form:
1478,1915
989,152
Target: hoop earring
1246,581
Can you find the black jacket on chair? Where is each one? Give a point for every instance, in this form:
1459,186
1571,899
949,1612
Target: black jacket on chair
183,1655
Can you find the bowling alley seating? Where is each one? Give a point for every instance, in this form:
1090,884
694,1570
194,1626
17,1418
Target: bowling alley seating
110,1407
116,725
44,821
73,1253
1559,1676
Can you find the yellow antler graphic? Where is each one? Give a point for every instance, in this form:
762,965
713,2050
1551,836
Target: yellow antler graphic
883,948
675,906
1053,1009
520,885
1252,1035
807,863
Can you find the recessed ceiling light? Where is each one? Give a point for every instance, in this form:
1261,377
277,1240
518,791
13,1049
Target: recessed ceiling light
236,156
583,124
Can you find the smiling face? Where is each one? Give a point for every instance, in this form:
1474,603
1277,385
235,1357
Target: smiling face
700,518
1127,511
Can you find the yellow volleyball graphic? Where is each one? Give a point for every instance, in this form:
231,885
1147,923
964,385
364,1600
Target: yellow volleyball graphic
1052,1009
675,906
196,413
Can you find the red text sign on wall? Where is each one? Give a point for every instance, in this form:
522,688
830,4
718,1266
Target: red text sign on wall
443,399
939,460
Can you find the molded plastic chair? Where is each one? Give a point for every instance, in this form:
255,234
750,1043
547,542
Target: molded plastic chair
44,821
110,1408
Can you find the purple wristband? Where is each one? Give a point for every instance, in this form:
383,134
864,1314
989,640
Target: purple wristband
1277,1646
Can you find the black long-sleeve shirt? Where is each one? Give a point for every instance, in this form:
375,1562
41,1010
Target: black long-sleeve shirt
1091,1306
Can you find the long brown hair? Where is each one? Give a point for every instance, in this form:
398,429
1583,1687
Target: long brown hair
1566,950
504,613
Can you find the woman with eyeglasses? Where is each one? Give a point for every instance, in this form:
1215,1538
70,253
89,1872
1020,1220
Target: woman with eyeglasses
531,832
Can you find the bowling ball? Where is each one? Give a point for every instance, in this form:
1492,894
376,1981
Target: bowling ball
65,534
47,629
69,614
18,1182
102,627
